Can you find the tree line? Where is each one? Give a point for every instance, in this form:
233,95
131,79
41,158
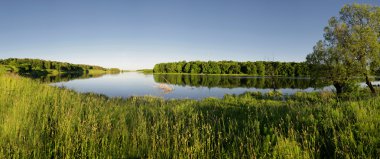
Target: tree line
37,66
258,68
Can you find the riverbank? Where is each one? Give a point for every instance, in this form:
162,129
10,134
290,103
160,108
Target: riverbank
146,71
38,67
40,121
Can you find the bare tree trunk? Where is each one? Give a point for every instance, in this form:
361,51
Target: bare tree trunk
369,84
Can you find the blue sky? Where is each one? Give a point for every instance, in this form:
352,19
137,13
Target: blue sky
133,34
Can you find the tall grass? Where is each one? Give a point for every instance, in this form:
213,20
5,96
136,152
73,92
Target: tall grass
4,69
40,121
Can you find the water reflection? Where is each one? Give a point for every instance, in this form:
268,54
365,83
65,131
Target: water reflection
65,77
176,86
212,81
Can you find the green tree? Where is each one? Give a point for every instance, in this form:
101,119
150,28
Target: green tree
350,47
328,67
171,68
224,67
361,41
251,68
214,68
205,67
179,67
156,68
187,67
260,68
195,68
234,69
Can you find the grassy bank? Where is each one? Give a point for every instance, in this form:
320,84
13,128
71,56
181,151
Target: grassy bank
4,69
40,121
95,72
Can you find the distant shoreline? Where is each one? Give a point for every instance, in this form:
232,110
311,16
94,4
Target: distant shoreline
240,75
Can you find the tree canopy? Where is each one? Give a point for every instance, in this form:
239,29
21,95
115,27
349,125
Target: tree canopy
259,68
350,48
37,66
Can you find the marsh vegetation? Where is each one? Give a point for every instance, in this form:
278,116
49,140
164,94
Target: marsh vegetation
40,121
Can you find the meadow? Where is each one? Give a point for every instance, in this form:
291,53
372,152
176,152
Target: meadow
41,121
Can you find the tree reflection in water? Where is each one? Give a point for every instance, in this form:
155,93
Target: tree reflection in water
233,81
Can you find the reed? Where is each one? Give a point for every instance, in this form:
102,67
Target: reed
40,121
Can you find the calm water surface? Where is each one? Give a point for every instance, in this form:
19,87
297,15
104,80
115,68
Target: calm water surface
183,86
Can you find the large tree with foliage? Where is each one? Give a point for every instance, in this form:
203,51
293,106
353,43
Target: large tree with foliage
327,66
361,41
350,48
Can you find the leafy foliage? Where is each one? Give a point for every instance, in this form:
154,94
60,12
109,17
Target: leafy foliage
260,68
351,47
38,67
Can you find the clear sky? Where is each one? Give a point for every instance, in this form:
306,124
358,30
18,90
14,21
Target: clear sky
134,34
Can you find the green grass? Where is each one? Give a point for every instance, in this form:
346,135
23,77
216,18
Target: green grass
98,72
4,69
40,121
